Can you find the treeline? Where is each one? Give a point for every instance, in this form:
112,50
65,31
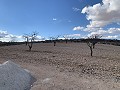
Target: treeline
10,43
101,41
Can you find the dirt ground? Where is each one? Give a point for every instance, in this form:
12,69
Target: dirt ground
68,66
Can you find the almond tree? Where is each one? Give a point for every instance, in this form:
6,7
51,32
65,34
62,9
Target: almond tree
54,39
90,46
92,40
30,39
66,37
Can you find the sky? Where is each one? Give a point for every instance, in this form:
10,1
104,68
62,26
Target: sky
52,18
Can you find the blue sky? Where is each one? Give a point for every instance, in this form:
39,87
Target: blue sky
58,17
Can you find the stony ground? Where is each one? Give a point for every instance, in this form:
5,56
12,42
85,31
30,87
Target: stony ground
68,66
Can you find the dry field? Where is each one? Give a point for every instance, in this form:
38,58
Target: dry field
68,66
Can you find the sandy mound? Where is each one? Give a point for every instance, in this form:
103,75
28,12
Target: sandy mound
13,77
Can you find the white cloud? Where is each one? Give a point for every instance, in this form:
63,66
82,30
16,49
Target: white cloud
103,14
6,37
111,33
39,38
111,37
76,9
114,31
71,36
54,19
78,28
3,33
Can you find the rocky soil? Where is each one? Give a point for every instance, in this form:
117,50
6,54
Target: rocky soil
68,66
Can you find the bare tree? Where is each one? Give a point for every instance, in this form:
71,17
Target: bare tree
66,37
30,39
90,46
92,40
95,38
54,39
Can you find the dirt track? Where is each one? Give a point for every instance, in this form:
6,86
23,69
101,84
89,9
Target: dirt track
68,66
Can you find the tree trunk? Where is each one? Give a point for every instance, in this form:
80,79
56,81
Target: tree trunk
30,46
66,41
26,43
91,51
54,43
93,43
91,48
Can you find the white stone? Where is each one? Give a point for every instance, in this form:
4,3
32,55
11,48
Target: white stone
13,77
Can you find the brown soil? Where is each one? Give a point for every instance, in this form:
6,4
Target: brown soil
68,66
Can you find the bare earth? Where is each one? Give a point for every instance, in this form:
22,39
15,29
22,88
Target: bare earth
68,66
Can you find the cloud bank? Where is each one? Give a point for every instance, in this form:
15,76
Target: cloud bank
101,15
78,28
6,37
